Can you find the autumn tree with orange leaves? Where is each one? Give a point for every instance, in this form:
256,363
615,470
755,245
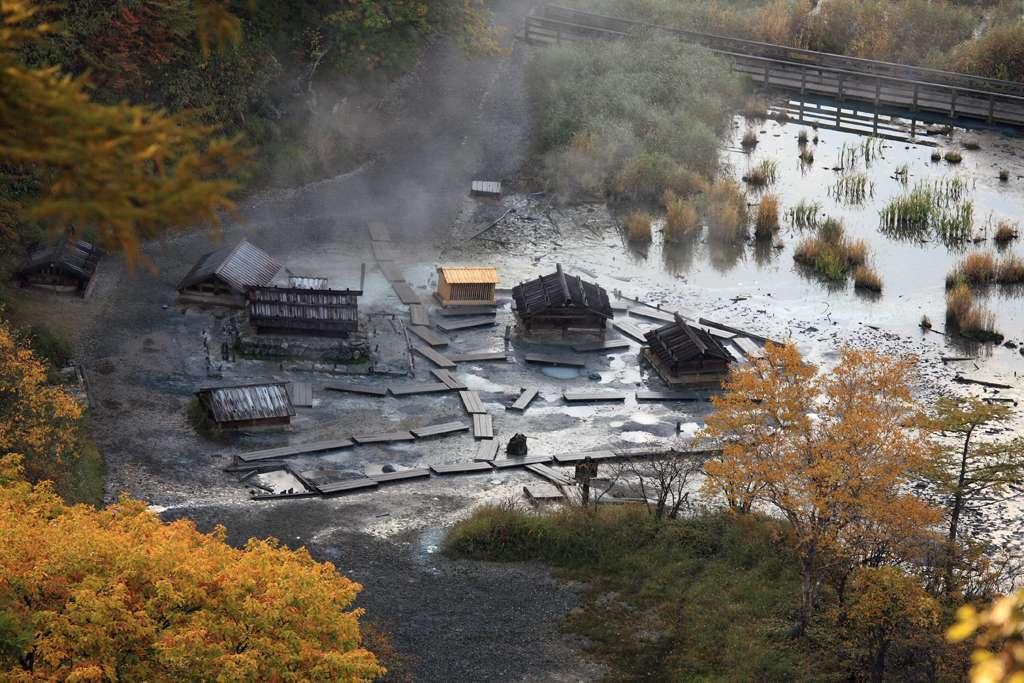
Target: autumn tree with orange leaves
115,594
831,452
998,636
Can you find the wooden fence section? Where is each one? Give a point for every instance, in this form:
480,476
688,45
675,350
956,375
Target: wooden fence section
841,78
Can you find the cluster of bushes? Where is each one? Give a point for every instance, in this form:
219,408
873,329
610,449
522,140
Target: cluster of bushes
629,119
833,255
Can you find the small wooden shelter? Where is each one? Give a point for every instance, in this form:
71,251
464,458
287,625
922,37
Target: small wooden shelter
685,354
248,405
223,276
466,286
564,303
67,266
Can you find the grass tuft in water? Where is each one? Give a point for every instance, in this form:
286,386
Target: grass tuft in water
804,215
937,209
638,227
969,318
853,188
682,222
766,224
762,173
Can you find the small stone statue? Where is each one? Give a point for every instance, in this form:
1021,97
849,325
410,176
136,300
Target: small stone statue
517,445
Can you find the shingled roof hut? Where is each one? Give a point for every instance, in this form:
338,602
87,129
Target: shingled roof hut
466,286
293,310
685,354
66,266
248,405
562,302
223,276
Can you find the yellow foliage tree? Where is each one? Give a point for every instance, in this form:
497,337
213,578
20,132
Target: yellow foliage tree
999,639
115,594
831,452
37,420
126,173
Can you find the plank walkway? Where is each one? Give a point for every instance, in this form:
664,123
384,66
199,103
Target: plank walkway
449,380
667,396
483,426
749,347
466,311
387,437
630,330
386,251
593,396
347,485
573,458
652,314
545,359
401,475
504,463
472,403
439,429
433,356
392,271
418,315
487,450
301,394
478,356
540,493
465,323
406,293
358,389
428,336
379,232
524,400
298,449
414,388
554,476
460,467
610,345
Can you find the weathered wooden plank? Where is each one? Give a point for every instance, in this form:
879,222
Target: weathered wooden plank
552,475
593,396
298,449
483,426
392,271
255,467
387,437
401,475
652,314
358,389
406,293
503,463
386,251
545,359
439,429
667,396
472,403
347,485
301,394
283,496
418,315
461,467
486,188
478,356
449,380
428,336
433,356
466,311
413,388
573,458
487,450
735,331
629,329
454,324
524,400
749,347
540,493
610,345
379,232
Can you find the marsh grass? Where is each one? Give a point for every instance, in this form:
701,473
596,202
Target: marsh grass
749,139
953,157
755,108
931,209
727,212
830,253
981,269
682,221
852,188
806,156
871,149
763,173
802,137
902,174
1006,231
865,277
638,227
766,224
969,318
804,215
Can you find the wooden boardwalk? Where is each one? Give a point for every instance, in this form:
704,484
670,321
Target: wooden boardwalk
593,396
365,389
630,330
813,74
428,336
546,359
472,403
298,449
461,467
433,356
524,400
483,426
610,345
414,388
479,356
456,324
440,429
450,380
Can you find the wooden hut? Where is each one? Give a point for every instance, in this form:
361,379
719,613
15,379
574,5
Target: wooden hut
249,405
295,310
684,354
223,276
67,266
466,286
564,303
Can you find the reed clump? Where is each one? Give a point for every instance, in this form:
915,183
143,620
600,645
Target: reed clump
1010,270
727,211
852,188
682,221
968,317
953,157
749,139
638,227
865,277
1006,231
931,209
762,173
766,224
804,214
831,253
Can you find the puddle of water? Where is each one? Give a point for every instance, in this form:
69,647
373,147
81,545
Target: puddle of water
644,419
561,373
281,481
638,437
482,384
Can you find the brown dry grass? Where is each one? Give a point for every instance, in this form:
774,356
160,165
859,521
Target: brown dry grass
1010,270
865,277
638,227
727,211
967,316
1005,232
977,268
766,223
682,222
856,251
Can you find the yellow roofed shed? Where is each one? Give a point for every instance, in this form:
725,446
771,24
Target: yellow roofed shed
466,285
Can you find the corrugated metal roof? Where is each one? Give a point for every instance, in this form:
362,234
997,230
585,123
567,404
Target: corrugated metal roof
241,266
283,305
469,275
559,290
247,402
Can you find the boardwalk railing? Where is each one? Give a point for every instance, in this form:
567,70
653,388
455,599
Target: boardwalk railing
843,78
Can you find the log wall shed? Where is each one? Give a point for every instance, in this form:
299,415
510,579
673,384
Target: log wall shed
223,276
67,266
563,303
295,310
683,354
247,405
466,286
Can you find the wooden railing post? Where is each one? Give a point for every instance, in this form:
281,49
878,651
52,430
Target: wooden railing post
915,96
803,83
878,91
952,104
991,108
840,94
